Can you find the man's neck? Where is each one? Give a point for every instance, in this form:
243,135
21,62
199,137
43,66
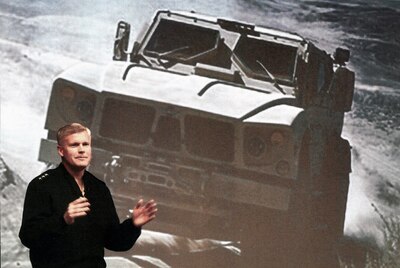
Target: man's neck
77,174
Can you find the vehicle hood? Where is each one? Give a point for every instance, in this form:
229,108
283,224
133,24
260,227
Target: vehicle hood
189,91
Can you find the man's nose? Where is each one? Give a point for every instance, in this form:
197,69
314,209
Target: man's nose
81,148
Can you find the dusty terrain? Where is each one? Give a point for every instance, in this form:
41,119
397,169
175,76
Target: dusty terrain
39,40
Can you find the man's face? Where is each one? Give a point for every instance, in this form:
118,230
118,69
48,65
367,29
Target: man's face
76,150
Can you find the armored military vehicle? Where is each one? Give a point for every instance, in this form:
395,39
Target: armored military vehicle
235,130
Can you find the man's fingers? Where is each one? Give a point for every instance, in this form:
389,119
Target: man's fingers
79,200
151,211
77,208
81,205
139,204
152,214
147,208
150,203
144,213
150,207
78,214
76,211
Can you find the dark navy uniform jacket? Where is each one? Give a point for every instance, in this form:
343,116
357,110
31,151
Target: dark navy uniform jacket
52,242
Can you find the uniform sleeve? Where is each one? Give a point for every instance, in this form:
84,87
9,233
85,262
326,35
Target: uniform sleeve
39,223
120,236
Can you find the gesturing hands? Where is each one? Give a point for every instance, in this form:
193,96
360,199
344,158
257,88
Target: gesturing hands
77,208
144,213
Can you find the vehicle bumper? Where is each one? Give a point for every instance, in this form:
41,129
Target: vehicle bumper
210,197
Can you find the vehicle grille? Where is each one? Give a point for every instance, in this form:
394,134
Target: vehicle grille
202,136
126,121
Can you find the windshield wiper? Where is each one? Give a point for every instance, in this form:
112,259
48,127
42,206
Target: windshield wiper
272,77
172,51
169,62
166,53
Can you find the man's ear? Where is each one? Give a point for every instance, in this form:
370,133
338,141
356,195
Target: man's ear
60,150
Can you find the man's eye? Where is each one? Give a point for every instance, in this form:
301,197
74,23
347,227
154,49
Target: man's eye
74,145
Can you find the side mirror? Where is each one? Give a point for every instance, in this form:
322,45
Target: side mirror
341,56
122,41
341,89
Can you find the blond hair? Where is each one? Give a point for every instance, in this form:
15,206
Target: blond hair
70,129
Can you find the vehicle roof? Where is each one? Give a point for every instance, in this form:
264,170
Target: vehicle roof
257,28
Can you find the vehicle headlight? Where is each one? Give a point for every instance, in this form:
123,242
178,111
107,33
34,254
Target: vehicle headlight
68,94
84,110
255,146
282,168
277,138
74,104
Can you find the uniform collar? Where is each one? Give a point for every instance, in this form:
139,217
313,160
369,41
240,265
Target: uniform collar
71,181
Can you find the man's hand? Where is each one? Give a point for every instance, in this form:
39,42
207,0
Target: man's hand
77,208
143,213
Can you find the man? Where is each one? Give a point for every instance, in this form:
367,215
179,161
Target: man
69,216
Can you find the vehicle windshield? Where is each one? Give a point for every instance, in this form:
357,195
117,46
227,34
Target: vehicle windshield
180,41
260,58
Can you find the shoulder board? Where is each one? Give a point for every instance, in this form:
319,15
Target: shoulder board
45,174
42,176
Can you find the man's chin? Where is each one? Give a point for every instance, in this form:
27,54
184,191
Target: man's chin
79,166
